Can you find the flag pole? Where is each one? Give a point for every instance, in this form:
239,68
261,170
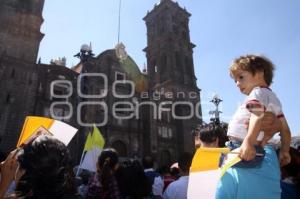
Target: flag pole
78,169
119,21
81,159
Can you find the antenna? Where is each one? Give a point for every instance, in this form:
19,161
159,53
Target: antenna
119,21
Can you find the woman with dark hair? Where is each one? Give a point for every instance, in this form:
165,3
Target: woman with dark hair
104,184
43,170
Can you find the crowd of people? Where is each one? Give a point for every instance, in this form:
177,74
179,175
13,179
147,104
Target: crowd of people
42,168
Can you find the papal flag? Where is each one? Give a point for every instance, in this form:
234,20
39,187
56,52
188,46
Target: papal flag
33,125
92,149
207,169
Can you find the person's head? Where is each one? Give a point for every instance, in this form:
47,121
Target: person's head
44,169
174,171
208,135
132,180
250,71
147,162
184,162
109,157
107,164
196,133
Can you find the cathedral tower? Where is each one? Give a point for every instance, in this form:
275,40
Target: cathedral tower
169,47
20,23
171,74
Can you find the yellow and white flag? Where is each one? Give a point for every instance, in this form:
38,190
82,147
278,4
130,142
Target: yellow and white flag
93,147
206,171
60,130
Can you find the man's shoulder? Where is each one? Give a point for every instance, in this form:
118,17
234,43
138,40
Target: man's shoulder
152,173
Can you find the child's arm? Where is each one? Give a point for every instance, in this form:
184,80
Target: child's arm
285,133
248,151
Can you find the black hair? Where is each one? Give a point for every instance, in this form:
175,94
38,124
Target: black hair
147,162
107,161
209,133
133,182
48,172
185,161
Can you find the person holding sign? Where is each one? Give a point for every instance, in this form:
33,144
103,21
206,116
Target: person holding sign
41,169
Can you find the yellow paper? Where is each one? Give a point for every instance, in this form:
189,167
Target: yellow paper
207,159
31,124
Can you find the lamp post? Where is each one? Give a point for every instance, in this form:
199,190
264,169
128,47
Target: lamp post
85,53
216,101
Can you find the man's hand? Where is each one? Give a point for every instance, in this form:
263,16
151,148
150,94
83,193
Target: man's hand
284,158
270,124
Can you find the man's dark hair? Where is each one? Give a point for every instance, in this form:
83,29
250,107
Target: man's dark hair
208,133
185,161
147,162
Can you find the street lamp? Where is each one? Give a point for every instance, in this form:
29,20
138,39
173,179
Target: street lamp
216,101
85,53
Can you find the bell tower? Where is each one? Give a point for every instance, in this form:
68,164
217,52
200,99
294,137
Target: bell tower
20,23
169,50
170,69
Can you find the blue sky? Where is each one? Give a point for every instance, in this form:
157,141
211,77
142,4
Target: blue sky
220,29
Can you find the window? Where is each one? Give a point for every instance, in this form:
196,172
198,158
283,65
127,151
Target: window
12,75
119,76
164,132
170,133
159,131
60,91
155,69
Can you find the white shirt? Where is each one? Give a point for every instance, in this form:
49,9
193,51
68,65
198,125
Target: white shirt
158,184
266,98
177,189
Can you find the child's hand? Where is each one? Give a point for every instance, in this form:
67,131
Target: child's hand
247,151
284,158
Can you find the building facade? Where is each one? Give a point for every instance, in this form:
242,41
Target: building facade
171,74
150,112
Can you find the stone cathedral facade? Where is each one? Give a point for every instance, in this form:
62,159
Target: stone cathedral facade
138,112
